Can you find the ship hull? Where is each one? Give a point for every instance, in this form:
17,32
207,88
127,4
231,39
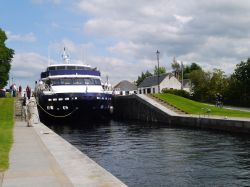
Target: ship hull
74,107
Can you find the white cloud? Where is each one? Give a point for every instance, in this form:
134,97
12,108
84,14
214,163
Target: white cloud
124,35
77,52
183,19
55,25
30,37
26,67
211,33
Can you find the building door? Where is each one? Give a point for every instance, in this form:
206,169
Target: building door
148,90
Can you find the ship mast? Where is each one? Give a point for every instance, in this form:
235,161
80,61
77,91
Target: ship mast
65,56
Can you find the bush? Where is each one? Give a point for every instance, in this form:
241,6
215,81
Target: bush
181,93
2,93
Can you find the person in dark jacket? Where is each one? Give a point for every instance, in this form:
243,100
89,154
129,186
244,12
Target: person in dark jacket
28,91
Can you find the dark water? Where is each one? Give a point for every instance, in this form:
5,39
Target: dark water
155,155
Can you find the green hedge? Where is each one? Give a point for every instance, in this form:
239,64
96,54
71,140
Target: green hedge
181,93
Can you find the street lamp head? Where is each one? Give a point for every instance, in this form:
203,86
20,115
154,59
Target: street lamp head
157,52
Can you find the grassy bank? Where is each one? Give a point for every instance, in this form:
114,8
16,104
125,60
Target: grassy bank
6,127
194,107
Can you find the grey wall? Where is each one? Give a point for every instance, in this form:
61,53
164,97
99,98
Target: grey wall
134,108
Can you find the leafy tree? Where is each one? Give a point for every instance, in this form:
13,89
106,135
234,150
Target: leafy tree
218,81
218,84
177,68
142,77
207,84
239,84
188,69
242,74
200,81
194,66
161,70
6,55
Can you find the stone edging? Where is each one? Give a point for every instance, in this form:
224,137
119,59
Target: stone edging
1,178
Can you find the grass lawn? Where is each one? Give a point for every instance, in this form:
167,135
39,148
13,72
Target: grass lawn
194,107
6,127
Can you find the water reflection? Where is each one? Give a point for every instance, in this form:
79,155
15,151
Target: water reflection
155,155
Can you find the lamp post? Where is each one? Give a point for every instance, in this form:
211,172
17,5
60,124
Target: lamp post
158,72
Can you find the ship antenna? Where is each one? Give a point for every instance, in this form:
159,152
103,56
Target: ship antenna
65,56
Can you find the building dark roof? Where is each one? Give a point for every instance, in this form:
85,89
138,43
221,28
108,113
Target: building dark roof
125,86
153,80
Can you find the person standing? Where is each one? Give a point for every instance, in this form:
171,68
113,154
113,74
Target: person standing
20,91
28,91
14,89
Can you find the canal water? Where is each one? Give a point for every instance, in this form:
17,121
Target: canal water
142,154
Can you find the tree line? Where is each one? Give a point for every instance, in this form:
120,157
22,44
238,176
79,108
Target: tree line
6,55
234,88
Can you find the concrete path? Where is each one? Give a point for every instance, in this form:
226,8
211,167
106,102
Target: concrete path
1,178
39,157
238,108
31,164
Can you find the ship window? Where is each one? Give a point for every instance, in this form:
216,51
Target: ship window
88,81
83,68
71,67
80,67
52,68
56,81
78,81
60,67
66,81
97,81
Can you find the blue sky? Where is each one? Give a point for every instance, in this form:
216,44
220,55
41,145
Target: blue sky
121,37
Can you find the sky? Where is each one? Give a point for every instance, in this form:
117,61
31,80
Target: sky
121,37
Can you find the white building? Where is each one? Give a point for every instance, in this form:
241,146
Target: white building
150,84
125,88
187,85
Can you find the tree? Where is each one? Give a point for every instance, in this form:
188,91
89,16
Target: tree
200,81
161,70
194,66
177,68
207,84
142,77
219,83
239,92
6,55
242,74
188,69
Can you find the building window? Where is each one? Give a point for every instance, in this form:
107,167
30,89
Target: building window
144,91
139,91
153,90
148,90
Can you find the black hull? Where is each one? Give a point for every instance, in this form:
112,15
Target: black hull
74,107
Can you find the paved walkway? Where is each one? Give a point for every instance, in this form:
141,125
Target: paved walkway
31,164
39,157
